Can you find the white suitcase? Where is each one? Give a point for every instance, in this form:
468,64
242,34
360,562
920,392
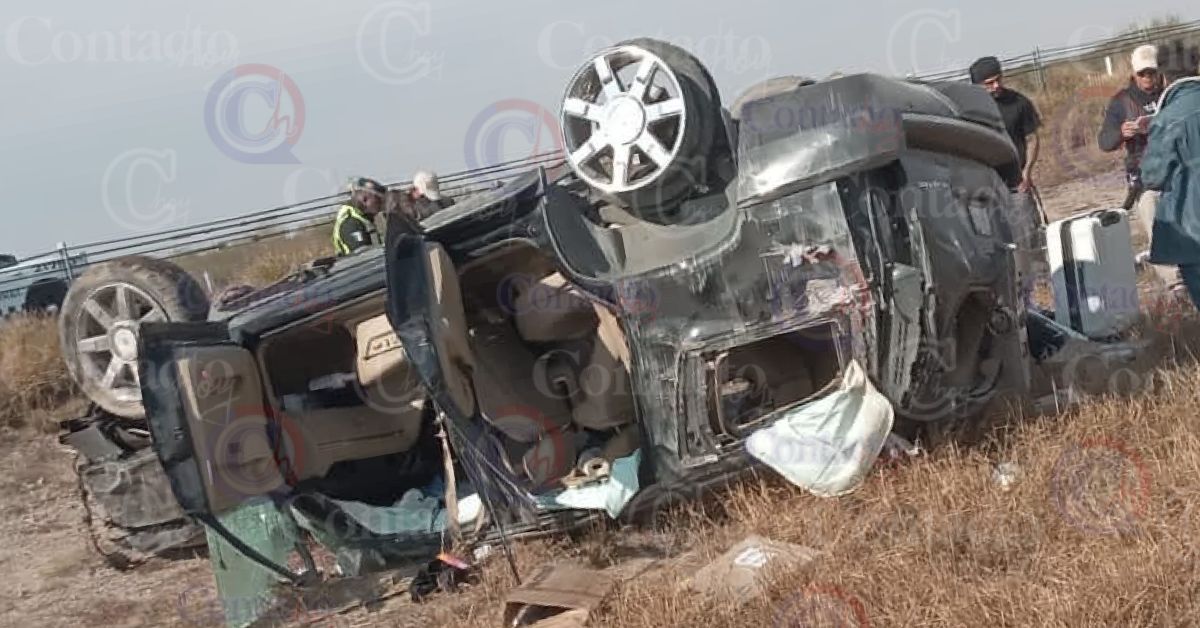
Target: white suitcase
1093,274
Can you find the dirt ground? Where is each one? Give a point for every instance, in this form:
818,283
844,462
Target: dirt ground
55,578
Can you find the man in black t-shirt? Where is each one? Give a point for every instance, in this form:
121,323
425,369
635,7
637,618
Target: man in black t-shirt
1021,118
1022,122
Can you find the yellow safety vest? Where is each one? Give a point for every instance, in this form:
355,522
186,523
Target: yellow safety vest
347,212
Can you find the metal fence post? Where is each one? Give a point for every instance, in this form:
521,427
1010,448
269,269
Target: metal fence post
1037,63
65,253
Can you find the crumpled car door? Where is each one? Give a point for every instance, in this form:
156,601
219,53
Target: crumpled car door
224,455
425,308
208,417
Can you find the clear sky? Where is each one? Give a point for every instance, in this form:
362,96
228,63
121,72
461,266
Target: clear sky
122,117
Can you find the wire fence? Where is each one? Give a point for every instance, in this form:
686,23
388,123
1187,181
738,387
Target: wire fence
1039,59
67,261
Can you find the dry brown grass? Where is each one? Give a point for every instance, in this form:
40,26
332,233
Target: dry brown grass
1100,529
33,376
257,263
273,265
1072,108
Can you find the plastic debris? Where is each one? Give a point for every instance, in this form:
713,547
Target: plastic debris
1006,475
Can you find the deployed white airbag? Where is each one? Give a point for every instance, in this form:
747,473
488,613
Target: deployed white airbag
828,446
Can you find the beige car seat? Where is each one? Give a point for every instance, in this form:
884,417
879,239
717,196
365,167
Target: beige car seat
605,392
449,327
552,310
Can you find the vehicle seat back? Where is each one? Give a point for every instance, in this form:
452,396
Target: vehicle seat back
449,327
552,310
605,393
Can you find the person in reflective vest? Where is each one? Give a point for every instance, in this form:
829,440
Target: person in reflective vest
354,227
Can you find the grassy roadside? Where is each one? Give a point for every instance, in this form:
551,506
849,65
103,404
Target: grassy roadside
1098,527
33,376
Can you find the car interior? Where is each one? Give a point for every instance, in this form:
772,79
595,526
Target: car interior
546,364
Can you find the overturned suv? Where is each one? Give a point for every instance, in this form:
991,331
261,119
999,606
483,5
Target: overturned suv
700,292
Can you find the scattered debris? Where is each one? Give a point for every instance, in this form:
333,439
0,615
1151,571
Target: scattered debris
609,491
558,596
897,447
443,574
738,572
1006,474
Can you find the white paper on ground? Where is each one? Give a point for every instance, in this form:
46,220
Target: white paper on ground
828,446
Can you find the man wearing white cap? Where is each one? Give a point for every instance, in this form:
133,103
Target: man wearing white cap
420,200
427,194
1127,118
1127,124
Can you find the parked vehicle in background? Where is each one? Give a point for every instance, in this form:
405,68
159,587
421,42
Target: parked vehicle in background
36,284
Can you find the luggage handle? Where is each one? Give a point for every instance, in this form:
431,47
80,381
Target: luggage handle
1107,217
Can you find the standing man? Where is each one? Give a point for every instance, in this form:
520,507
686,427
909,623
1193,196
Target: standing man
406,209
1127,123
1171,165
426,194
1127,119
1022,122
1021,117
354,227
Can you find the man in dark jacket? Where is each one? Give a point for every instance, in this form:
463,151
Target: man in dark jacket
409,207
426,194
1022,122
1171,165
1127,119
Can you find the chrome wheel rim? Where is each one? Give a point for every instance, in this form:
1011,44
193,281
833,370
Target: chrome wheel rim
623,119
107,329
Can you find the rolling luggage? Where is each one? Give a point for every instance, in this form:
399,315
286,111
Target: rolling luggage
1092,272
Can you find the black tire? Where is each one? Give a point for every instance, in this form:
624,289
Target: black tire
690,170
178,294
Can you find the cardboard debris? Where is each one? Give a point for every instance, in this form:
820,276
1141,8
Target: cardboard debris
564,596
738,573
577,618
